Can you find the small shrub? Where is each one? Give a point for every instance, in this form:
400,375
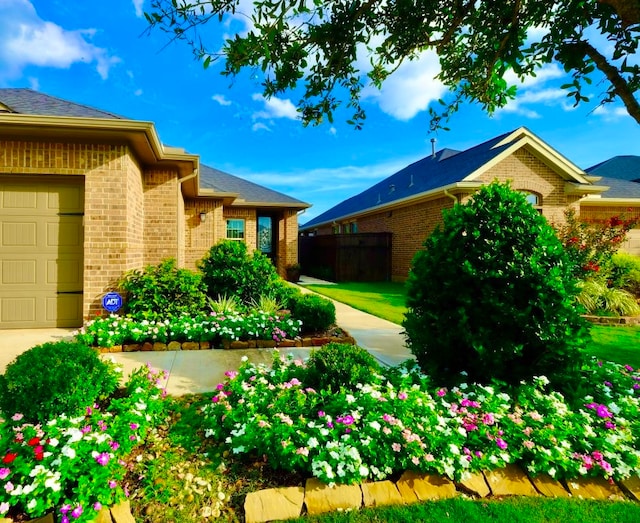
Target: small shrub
285,294
625,272
266,304
492,294
55,378
597,298
163,290
316,313
338,365
228,269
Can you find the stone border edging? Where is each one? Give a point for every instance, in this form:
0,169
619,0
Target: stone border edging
412,487
612,320
227,344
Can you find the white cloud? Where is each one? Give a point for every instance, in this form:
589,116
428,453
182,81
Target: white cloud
138,92
547,97
544,74
137,4
27,40
610,114
259,126
410,89
275,108
333,131
34,83
220,98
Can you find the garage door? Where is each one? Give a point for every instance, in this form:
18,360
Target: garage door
41,252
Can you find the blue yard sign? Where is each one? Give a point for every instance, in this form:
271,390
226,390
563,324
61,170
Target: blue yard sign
112,302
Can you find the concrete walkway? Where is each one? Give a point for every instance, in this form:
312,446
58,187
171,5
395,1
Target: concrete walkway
201,371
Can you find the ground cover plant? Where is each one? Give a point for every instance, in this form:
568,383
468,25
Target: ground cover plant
75,465
403,419
213,327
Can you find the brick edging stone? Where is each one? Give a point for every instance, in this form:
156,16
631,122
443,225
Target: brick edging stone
412,487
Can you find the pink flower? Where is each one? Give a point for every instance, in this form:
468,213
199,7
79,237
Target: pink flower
502,444
112,484
133,426
441,392
302,451
488,419
97,506
603,412
4,472
529,444
628,368
77,512
114,445
102,458
17,416
402,395
396,447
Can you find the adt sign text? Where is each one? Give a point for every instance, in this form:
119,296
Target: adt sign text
112,302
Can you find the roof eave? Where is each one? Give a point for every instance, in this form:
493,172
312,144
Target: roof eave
600,201
288,205
583,190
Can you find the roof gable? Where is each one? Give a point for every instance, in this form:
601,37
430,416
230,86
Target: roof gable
447,168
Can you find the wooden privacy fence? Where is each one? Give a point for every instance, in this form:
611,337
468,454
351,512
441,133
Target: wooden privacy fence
346,257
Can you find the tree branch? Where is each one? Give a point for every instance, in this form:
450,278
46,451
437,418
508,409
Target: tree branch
620,86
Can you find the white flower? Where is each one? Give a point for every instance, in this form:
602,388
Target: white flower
349,398
454,449
53,442
312,443
32,504
68,452
375,425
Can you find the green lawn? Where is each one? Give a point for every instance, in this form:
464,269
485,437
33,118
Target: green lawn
387,300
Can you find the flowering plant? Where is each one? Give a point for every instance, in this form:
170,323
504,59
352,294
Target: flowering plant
214,327
76,465
402,421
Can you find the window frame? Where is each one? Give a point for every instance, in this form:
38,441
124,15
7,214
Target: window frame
242,232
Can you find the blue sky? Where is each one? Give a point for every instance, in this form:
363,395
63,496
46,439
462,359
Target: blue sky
95,53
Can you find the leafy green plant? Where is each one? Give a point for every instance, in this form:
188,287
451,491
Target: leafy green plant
338,365
55,378
266,304
162,290
316,313
596,297
492,295
625,272
223,304
228,269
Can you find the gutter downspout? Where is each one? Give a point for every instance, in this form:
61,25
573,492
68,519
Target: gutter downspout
454,198
178,224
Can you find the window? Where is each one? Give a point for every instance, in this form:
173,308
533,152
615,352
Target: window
534,200
353,228
235,229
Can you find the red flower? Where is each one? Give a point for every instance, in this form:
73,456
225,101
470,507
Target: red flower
33,442
9,457
39,452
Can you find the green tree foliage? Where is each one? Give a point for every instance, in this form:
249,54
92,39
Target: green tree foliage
492,294
322,44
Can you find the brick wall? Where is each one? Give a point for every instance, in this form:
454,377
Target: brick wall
287,240
199,235
161,213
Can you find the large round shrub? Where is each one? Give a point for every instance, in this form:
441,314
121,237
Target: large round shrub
163,290
229,270
53,379
492,294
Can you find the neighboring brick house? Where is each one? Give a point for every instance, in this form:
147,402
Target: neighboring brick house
86,195
409,203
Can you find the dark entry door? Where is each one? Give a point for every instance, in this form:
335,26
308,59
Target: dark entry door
267,236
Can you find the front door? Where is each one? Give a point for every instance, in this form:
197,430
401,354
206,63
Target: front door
267,236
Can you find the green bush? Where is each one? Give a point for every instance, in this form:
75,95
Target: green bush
338,365
316,313
625,272
229,270
492,294
55,378
163,290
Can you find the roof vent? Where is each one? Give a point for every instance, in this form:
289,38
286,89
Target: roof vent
379,199
411,181
433,148
392,188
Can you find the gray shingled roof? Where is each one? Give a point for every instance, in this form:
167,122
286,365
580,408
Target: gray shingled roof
619,188
27,101
620,167
251,192
432,172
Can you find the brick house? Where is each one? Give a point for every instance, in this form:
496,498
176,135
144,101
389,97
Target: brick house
86,195
409,203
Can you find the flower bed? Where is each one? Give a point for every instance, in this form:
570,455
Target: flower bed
212,328
76,466
401,421
215,331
